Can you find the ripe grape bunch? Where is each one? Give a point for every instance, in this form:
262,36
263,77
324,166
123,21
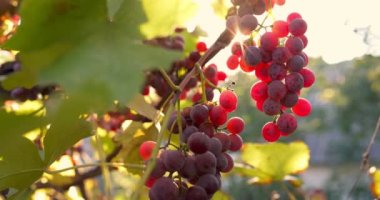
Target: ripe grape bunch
192,170
278,60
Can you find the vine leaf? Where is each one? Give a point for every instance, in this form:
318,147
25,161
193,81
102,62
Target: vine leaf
20,161
72,43
273,161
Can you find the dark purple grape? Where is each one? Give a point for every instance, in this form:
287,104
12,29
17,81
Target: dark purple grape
281,55
210,71
289,100
259,8
215,146
295,45
199,113
194,56
198,142
158,170
271,107
196,193
164,189
269,41
295,63
287,123
174,160
187,132
298,27
294,82
188,170
209,94
224,139
276,90
248,23
230,163
221,162
209,182
207,128
266,56
192,83
236,142
205,163
252,55
276,71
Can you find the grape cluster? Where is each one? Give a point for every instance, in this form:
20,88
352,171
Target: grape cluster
280,65
192,171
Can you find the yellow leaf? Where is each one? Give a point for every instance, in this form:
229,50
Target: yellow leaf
276,160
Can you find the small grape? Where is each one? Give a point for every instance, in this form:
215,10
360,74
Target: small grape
209,182
158,170
280,28
259,91
174,160
269,41
302,108
304,39
308,77
297,27
199,113
207,128
276,90
233,62
270,132
294,82
215,146
252,55
230,163
228,100
236,142
281,55
224,139
246,67
289,100
293,16
164,189
205,163
295,45
287,123
188,132
221,76
188,169
259,8
295,63
261,72
271,107
221,162
277,71
236,49
146,149
248,23
201,46
235,125
198,142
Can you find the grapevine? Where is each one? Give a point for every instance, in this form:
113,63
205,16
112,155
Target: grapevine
207,128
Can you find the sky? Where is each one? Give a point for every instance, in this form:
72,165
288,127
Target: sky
331,25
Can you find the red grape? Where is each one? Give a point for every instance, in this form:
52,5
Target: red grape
228,100
259,91
218,115
233,62
308,77
146,149
235,125
280,28
201,47
287,123
302,108
270,132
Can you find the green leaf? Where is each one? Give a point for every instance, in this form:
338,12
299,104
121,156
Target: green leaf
73,43
276,160
20,161
66,128
21,195
160,14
